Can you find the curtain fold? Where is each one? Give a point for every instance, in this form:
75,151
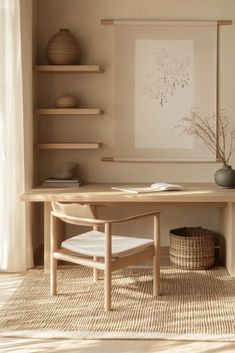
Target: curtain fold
15,247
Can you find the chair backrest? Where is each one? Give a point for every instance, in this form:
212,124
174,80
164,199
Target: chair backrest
66,211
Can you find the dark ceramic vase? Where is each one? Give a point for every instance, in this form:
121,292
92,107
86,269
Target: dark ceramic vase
225,177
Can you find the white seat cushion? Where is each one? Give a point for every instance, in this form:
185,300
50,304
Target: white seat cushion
93,244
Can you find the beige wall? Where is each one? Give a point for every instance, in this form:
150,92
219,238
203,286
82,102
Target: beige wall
83,17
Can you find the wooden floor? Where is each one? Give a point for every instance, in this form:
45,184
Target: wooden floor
9,282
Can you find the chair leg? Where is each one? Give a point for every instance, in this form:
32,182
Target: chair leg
108,290
53,276
96,271
108,272
156,257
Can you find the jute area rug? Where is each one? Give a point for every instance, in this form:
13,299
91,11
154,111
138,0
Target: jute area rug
193,305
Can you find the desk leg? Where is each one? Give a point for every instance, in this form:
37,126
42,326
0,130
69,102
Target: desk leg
228,230
47,215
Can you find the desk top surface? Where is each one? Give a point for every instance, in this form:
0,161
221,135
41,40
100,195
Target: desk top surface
103,193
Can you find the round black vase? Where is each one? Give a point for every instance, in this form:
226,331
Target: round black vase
225,177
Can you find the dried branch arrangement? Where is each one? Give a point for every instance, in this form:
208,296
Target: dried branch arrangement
216,132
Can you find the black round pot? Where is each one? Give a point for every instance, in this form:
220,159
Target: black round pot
225,177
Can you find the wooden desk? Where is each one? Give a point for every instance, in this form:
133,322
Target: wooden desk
102,194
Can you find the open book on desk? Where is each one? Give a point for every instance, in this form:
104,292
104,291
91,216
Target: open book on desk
152,188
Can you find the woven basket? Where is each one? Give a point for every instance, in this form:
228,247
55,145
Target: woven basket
192,248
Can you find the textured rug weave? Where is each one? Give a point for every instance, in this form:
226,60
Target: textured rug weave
193,305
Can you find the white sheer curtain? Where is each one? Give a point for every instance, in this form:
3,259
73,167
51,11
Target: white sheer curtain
15,247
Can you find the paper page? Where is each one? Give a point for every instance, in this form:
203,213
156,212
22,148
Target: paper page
152,188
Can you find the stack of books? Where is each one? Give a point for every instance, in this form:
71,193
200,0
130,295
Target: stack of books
62,183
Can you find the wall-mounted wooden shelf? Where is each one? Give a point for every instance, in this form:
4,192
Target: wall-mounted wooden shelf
68,146
68,68
68,111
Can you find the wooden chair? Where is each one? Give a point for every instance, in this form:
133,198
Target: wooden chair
102,250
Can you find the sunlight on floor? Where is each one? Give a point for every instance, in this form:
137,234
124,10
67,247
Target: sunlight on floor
8,284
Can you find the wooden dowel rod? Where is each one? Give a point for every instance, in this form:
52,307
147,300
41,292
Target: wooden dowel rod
164,22
107,159
224,22
107,22
156,160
